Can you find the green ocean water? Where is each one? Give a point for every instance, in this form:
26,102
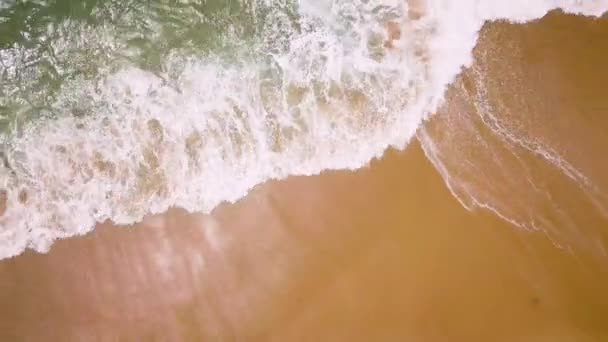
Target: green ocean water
49,45
113,110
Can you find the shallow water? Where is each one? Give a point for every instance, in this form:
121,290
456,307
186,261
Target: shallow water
524,131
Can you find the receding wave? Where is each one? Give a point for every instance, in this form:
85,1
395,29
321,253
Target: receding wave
523,135
120,109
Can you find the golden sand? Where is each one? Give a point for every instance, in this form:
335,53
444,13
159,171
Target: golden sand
385,253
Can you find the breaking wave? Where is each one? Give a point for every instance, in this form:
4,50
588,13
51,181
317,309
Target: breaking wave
125,109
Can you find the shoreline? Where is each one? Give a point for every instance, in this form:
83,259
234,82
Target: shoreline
286,262
385,252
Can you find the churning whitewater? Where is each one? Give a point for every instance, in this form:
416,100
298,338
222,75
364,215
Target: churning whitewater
131,110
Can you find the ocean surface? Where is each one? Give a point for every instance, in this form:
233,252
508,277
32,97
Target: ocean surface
366,170
112,110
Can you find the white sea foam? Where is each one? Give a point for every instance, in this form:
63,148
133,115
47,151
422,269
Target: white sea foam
204,131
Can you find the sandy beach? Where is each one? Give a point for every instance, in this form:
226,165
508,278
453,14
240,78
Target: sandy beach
343,256
384,253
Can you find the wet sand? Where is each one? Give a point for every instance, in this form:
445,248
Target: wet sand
384,253
525,128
